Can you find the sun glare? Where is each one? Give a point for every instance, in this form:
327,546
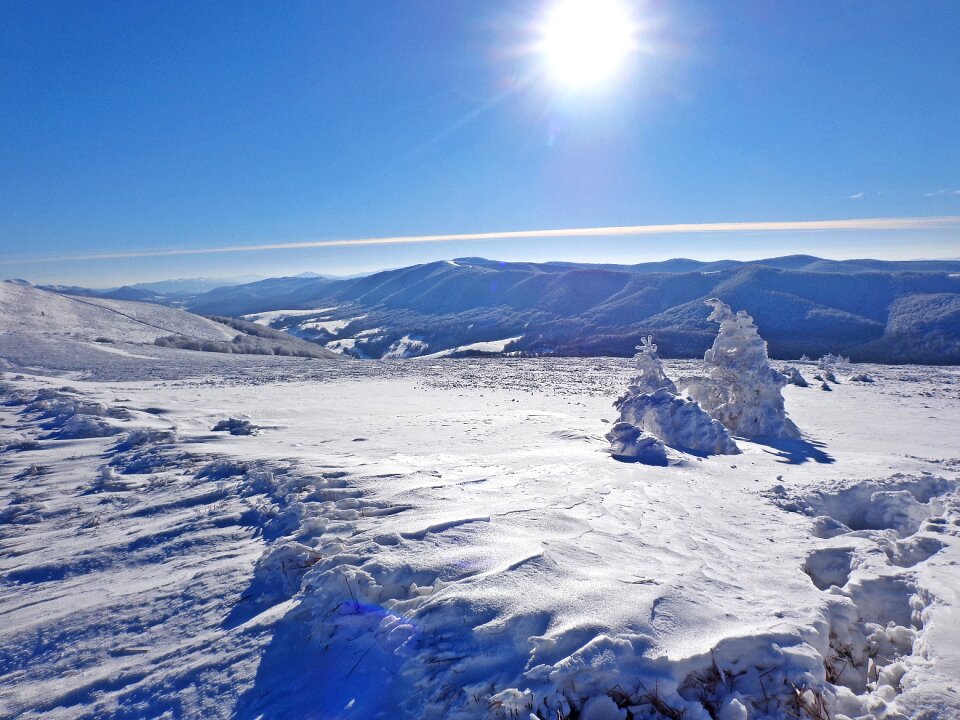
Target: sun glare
586,42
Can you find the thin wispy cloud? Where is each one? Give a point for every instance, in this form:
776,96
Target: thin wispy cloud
790,226
856,196
941,193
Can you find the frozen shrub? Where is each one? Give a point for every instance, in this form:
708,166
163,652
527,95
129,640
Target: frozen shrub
145,436
236,426
21,444
653,416
85,426
280,569
650,376
741,389
831,364
222,469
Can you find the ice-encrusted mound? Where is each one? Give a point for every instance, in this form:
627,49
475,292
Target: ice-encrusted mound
653,416
794,377
677,422
741,389
628,442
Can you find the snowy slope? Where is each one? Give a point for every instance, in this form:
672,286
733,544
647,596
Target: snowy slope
81,331
452,539
24,308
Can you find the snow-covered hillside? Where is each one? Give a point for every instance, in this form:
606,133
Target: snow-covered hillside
870,310
24,308
452,539
83,330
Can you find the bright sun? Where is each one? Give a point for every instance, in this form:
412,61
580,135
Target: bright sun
585,42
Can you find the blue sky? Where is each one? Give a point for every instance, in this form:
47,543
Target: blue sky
131,127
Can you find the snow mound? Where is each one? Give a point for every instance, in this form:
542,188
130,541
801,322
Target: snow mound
628,442
741,389
236,426
794,377
71,418
85,426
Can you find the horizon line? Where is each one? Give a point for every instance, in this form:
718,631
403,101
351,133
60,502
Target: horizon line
863,224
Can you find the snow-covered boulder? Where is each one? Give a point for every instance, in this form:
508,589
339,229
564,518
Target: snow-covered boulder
653,416
630,443
794,377
741,389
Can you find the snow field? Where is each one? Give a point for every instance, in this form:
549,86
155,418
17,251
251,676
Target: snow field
455,541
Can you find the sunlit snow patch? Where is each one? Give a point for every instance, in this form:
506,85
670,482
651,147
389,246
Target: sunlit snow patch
330,326
488,346
406,347
268,317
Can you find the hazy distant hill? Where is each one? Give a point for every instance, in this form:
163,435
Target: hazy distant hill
870,309
163,291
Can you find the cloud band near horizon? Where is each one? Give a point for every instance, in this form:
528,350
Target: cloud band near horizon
861,224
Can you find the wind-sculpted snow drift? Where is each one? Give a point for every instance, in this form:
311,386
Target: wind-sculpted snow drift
652,416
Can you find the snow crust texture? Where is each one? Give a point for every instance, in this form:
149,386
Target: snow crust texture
450,540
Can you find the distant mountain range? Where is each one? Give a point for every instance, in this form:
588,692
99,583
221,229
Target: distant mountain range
872,310
162,291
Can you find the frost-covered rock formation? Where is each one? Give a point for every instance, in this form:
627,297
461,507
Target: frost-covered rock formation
794,377
628,442
653,416
741,389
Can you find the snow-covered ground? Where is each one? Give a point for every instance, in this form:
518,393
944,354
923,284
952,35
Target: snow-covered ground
270,316
489,346
452,539
25,309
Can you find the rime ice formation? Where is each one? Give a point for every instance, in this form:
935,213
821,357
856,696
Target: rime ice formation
741,389
652,416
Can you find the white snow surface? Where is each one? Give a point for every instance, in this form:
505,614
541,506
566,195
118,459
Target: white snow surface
406,347
269,316
453,540
486,346
330,326
29,310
